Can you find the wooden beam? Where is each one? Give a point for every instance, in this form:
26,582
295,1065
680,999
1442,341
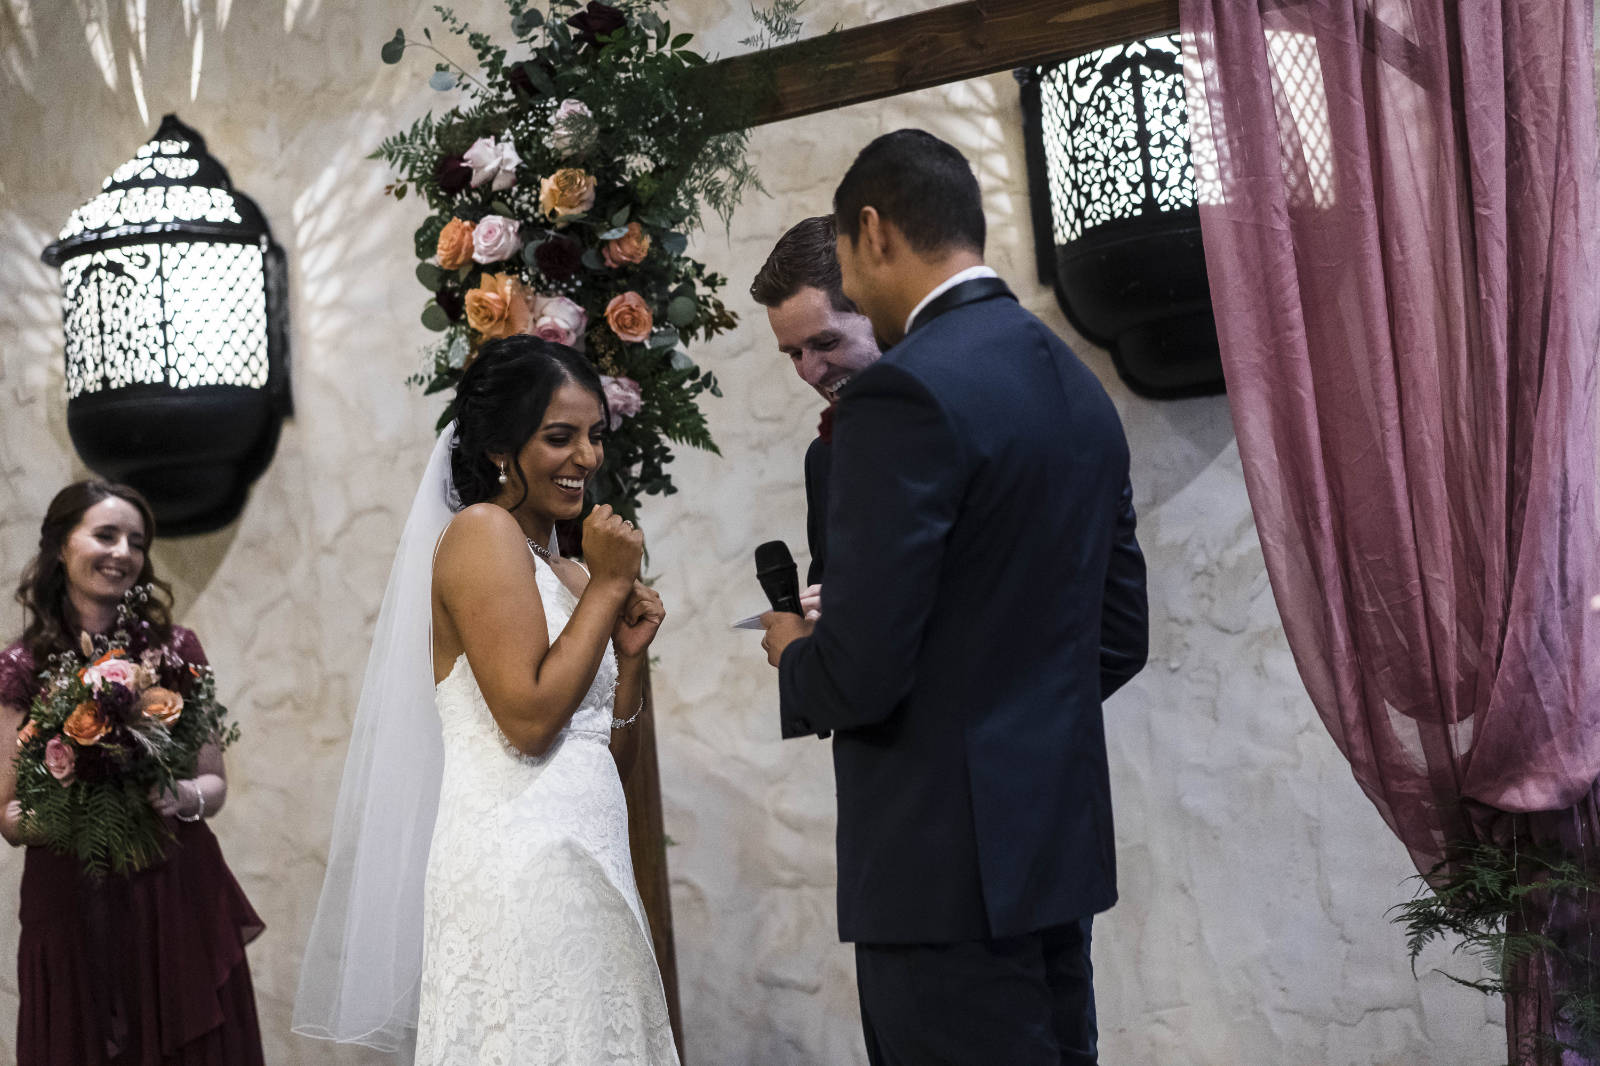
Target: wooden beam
946,44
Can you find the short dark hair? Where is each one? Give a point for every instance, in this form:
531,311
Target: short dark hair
804,256
500,404
921,184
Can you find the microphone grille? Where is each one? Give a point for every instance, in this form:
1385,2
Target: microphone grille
773,553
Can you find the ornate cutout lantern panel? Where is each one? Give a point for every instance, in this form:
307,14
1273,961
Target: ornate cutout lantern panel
174,302
1116,227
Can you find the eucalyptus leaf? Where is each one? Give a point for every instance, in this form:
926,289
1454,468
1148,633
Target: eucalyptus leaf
527,22
530,253
681,361
613,234
592,260
500,207
621,217
394,48
680,40
434,318
430,276
675,243
442,81
667,338
400,192
682,311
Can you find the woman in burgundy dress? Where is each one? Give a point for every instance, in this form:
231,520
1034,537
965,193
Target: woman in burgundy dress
134,970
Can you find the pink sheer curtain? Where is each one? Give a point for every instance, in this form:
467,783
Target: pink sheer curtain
1399,207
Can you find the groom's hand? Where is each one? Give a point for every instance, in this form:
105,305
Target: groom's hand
783,628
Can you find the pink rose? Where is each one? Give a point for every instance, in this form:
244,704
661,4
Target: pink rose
59,760
495,238
492,162
112,672
571,127
623,396
558,319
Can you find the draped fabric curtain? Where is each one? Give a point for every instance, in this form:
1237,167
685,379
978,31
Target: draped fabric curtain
1399,209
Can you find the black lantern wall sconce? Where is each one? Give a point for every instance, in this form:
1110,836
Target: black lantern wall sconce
1116,227
174,299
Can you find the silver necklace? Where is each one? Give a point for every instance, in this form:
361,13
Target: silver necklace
538,549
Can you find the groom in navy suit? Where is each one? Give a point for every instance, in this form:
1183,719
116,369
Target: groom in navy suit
985,595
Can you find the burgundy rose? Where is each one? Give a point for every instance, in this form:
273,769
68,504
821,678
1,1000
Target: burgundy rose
452,174
558,258
596,19
451,302
117,702
522,82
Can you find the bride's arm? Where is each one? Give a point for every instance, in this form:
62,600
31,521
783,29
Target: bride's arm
485,580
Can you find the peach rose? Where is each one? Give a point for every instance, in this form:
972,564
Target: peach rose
499,306
27,734
60,760
161,704
629,317
631,247
86,724
455,244
569,191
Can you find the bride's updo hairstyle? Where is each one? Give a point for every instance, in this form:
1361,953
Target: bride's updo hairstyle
500,404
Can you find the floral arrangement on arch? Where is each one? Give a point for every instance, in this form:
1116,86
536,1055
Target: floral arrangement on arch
127,717
561,190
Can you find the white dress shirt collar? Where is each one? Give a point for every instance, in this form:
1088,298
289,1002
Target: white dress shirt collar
951,282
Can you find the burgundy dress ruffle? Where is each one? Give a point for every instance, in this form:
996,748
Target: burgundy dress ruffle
143,970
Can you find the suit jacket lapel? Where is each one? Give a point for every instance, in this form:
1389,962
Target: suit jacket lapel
958,295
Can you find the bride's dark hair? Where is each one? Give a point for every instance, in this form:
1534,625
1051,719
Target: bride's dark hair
500,404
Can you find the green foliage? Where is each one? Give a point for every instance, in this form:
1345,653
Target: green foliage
663,146
1480,899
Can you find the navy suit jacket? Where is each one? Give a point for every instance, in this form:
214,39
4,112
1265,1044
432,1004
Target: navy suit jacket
817,462
984,594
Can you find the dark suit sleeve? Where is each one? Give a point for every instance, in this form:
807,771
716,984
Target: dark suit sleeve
896,485
1125,612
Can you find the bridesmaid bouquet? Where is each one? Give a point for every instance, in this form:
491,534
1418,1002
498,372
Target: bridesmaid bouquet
126,717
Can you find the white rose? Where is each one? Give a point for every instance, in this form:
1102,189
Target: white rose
558,319
495,238
493,162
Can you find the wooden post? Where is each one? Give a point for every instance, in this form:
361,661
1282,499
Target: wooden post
647,842
947,44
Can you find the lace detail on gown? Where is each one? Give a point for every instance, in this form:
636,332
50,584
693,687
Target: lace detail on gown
536,948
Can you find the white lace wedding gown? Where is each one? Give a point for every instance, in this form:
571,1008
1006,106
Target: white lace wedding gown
535,947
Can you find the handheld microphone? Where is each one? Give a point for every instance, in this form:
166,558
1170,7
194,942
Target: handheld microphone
779,579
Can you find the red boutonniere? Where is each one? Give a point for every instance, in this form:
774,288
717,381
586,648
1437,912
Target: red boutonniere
825,426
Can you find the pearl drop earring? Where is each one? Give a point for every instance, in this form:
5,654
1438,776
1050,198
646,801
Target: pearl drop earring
502,473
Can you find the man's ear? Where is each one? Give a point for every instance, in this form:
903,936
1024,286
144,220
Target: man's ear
874,235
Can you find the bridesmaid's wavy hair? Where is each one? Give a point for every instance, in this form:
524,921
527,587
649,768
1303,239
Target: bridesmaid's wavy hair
500,404
51,623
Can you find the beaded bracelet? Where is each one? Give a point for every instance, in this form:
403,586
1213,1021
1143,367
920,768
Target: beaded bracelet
623,723
200,795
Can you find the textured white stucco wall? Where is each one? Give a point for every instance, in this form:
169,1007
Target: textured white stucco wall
1254,875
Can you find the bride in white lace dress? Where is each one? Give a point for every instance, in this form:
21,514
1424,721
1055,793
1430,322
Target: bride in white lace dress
534,948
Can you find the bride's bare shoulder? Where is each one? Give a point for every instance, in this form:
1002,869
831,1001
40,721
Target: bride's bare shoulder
479,526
